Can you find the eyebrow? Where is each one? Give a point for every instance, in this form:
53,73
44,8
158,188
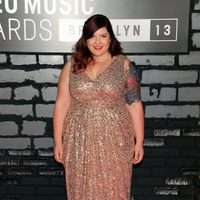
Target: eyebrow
106,33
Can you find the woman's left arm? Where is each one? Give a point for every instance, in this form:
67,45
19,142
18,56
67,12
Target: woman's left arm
134,106
137,114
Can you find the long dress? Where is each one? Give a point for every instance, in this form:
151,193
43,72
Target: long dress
98,136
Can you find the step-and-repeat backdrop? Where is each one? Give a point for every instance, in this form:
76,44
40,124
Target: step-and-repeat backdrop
53,26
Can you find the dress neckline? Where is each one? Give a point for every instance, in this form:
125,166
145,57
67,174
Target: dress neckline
103,71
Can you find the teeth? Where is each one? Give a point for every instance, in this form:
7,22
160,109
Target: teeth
97,47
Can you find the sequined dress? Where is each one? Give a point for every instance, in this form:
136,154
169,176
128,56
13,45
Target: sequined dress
98,134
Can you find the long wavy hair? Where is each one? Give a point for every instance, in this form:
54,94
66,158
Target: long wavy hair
81,55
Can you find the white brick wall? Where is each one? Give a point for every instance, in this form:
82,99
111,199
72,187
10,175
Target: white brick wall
191,94
197,5
5,93
195,21
26,93
39,76
33,128
43,143
15,143
166,111
161,94
51,60
19,110
3,58
153,60
49,94
169,77
196,39
167,132
44,110
153,142
23,59
8,128
193,58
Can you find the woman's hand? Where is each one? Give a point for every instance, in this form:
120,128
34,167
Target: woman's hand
138,154
58,153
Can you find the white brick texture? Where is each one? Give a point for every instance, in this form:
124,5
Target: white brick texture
23,59
51,60
169,76
164,111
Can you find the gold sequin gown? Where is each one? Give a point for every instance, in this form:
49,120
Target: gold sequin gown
97,136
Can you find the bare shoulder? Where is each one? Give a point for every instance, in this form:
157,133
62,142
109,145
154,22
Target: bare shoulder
64,76
67,65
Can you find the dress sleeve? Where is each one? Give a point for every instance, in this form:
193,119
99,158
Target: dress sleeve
132,85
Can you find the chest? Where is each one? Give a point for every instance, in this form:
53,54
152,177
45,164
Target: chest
109,85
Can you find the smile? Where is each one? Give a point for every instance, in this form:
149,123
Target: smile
98,47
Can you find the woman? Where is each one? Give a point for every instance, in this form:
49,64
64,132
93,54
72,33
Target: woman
98,117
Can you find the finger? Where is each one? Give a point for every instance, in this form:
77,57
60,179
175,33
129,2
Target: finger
136,155
136,161
138,158
61,156
58,157
135,158
59,160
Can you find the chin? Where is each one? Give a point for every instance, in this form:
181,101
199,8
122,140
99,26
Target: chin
99,52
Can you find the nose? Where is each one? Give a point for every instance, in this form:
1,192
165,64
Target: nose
97,40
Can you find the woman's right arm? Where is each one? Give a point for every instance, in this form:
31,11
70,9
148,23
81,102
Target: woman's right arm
61,107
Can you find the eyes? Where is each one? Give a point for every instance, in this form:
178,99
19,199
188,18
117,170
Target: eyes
102,36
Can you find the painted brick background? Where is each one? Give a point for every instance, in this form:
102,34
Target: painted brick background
171,97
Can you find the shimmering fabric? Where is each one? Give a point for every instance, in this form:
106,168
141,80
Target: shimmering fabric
97,136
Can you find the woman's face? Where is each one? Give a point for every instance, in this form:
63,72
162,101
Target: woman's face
99,43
